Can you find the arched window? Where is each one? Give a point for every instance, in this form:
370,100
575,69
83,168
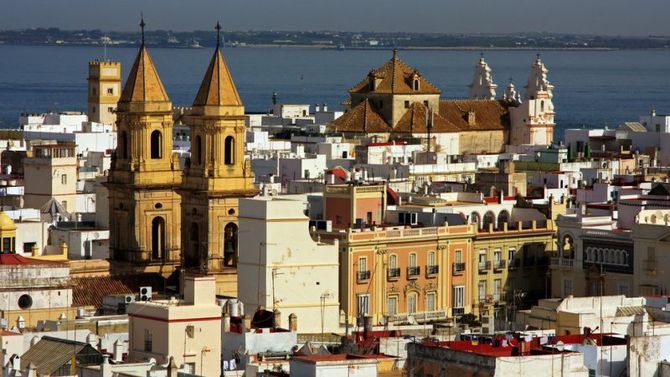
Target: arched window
229,157
568,248
157,238
474,219
230,245
503,217
542,106
156,145
193,253
489,218
124,145
198,150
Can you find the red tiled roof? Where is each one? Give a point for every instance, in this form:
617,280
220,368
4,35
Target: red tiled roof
362,118
89,291
395,77
489,114
414,121
18,260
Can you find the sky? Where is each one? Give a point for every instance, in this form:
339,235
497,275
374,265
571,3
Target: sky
605,17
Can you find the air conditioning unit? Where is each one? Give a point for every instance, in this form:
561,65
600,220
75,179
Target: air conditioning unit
145,293
127,299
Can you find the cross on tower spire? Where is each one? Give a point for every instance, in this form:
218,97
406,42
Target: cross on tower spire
218,34
142,25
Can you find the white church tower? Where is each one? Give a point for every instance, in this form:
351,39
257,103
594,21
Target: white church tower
533,120
482,86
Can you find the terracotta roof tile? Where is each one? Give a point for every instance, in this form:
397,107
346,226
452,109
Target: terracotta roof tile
362,118
488,114
414,121
396,77
89,291
18,260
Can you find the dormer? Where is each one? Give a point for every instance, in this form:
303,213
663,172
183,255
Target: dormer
416,82
472,119
374,81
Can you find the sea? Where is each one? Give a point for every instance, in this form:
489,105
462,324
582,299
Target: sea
593,89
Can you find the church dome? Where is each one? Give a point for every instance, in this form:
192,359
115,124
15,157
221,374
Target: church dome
6,223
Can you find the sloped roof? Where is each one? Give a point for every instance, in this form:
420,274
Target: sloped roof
50,354
396,77
489,114
414,121
217,87
52,208
18,260
143,83
625,311
362,118
632,126
89,291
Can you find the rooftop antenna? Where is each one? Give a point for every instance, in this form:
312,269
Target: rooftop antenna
218,34
142,25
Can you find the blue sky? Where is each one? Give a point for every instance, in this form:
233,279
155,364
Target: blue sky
612,17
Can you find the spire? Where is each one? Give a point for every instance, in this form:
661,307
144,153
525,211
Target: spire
142,25
143,83
217,88
218,34
482,86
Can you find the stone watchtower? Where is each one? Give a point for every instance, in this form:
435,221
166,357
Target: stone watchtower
217,174
144,207
104,91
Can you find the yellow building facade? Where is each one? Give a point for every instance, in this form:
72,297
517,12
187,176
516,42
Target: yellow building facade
216,176
104,91
145,209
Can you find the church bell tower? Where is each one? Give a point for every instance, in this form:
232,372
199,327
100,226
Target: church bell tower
145,209
217,174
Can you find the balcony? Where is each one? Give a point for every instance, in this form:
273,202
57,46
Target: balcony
457,312
413,272
562,263
458,268
393,274
431,271
362,276
484,266
499,265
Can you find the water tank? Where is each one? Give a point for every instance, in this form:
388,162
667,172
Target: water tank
233,308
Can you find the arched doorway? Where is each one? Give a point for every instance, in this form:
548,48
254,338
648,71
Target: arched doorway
230,245
157,239
192,259
474,219
489,218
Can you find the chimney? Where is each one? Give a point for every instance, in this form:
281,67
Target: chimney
105,367
472,120
324,107
32,370
117,349
172,368
317,108
276,318
293,322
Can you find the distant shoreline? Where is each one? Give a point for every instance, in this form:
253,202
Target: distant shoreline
335,48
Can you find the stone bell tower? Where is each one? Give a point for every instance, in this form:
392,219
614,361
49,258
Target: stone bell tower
216,176
533,121
145,209
482,86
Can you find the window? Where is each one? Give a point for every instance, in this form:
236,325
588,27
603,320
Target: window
110,90
363,307
411,303
110,109
393,261
497,289
511,254
157,238
6,245
229,156
431,258
412,260
362,264
156,145
93,109
63,179
198,150
124,145
567,287
458,258
407,104
148,341
497,257
25,302
338,219
623,289
482,290
459,296
28,247
392,305
430,302
369,217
